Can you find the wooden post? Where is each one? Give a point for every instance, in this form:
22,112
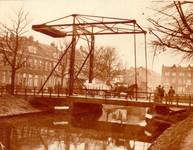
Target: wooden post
42,92
16,89
177,100
50,91
58,92
149,97
86,95
34,91
190,102
166,99
25,93
1,90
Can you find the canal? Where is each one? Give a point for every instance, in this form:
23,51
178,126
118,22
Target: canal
113,128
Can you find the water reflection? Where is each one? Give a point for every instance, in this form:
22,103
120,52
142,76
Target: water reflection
114,128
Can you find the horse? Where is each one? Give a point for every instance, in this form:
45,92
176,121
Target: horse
129,90
118,90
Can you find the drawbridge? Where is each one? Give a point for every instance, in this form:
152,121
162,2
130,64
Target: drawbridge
87,27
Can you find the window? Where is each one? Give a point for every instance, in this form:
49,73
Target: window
35,64
55,55
167,81
173,80
184,81
60,68
40,65
1,59
5,62
50,66
45,77
25,64
32,49
30,80
10,58
16,79
173,74
4,77
181,89
36,80
59,81
189,74
188,82
10,73
50,81
181,73
167,73
24,79
180,81
55,65
30,63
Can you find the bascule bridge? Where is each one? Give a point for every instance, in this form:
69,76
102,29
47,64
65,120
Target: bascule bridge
88,27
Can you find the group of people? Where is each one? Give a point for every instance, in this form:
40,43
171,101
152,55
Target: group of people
160,92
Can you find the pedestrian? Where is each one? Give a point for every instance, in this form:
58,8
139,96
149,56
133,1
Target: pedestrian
171,93
156,94
159,89
162,91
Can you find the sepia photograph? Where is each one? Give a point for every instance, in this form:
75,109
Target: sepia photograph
96,75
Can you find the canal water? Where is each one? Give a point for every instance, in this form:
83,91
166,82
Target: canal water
113,128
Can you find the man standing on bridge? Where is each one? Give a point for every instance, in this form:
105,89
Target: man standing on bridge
162,91
171,93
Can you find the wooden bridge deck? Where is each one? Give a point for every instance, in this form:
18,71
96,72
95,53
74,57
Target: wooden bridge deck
181,102
140,102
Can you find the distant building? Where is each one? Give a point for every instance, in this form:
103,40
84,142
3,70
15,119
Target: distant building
181,78
128,77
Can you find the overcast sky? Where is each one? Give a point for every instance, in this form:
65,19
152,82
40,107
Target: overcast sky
42,11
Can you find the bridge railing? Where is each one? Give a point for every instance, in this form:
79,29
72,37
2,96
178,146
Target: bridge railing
64,92
34,91
175,100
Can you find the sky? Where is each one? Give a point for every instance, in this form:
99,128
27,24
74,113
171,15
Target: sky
41,11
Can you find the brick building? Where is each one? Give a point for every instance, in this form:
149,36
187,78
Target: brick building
181,78
40,58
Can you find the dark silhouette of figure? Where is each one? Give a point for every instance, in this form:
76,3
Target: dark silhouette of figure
162,91
171,93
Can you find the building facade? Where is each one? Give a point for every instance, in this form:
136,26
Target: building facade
180,78
40,60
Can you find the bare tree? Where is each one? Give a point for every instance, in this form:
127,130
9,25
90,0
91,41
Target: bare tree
61,46
106,63
172,28
13,43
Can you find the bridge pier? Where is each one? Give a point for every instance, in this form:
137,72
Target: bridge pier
80,108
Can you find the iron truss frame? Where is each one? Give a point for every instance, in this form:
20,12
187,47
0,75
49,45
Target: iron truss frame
77,25
87,24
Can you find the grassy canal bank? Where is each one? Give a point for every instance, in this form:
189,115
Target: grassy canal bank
177,137
11,106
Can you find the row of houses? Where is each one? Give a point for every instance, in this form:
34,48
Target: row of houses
39,60
180,78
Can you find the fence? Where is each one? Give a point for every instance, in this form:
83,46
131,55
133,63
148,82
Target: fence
178,99
65,91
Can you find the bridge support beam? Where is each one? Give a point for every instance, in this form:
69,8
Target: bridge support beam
80,108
